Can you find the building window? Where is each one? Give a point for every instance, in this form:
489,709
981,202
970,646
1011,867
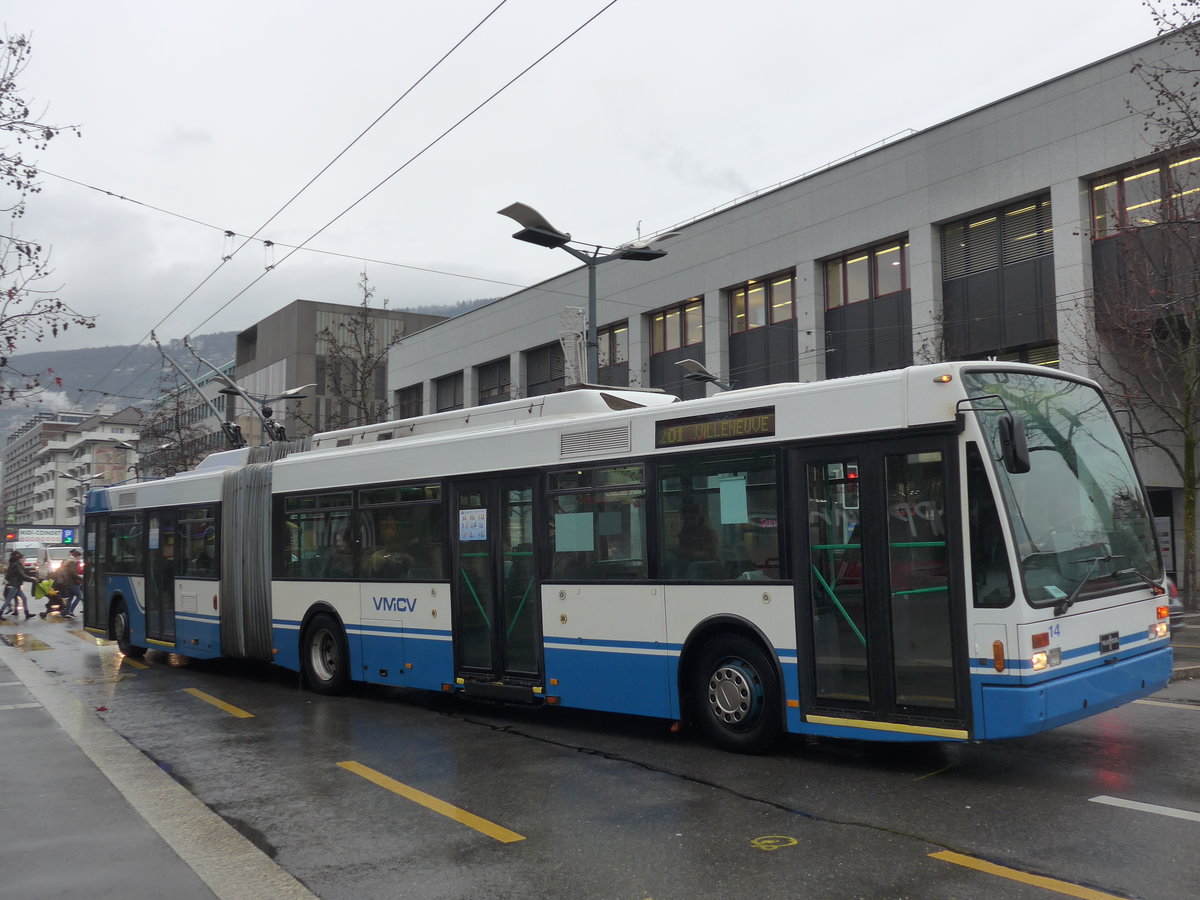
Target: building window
1133,198
677,326
613,354
410,401
866,274
448,392
999,237
762,302
544,370
494,382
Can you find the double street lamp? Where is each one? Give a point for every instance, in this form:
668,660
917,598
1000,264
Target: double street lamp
535,229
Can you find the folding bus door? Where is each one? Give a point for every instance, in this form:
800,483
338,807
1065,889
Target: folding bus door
497,604
160,576
880,613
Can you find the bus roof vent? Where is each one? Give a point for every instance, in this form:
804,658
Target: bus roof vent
604,440
126,499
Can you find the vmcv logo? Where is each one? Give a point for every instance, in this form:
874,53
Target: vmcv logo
395,604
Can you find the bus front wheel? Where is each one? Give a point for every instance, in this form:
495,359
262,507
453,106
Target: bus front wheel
120,628
325,657
735,695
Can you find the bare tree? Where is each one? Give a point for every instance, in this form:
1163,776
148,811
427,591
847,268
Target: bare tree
29,309
1147,272
354,352
173,435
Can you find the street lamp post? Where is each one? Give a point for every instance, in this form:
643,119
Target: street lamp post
535,229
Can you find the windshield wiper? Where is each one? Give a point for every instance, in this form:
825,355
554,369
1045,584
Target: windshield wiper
1068,601
1158,589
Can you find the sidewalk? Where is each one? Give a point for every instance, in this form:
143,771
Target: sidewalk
87,815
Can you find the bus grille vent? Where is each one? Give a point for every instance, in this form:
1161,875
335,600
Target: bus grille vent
607,440
129,498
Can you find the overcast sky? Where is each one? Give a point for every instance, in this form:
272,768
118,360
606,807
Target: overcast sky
655,112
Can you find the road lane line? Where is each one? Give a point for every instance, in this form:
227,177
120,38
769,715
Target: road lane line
1150,808
1050,884
21,706
1174,704
219,704
133,662
491,829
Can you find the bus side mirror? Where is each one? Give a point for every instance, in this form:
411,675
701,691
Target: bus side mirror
1014,449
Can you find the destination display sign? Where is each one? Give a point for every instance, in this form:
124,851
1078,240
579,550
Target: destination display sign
737,425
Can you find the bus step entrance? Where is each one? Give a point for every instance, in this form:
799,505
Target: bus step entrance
501,693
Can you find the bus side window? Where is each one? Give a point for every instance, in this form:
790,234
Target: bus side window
990,577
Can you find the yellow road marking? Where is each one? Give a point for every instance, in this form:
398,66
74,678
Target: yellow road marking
219,704
90,638
1050,884
126,661
491,829
938,772
24,642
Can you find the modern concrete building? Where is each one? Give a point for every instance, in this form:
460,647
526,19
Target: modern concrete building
286,350
981,236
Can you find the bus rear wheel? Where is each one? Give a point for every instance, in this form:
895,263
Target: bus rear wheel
735,695
120,628
325,656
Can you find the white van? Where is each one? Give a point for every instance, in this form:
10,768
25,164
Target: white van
35,553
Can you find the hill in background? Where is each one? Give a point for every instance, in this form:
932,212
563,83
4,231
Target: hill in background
108,378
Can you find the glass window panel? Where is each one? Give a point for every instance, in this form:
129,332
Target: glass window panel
402,542
620,345
889,270
834,295
658,333
836,576
737,310
783,306
919,574
1143,197
1184,185
598,535
673,333
604,347
858,278
198,538
693,324
719,519
756,305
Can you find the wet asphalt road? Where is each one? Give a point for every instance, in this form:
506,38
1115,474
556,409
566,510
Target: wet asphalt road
344,794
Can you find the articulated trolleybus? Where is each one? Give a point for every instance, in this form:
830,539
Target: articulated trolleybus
950,552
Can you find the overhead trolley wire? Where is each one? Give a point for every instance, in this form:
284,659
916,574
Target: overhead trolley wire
306,186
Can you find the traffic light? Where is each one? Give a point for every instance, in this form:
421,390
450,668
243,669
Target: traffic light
10,536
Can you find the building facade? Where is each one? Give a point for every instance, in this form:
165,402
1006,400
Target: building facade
50,461
287,350
978,237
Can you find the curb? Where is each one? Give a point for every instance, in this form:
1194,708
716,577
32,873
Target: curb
1185,673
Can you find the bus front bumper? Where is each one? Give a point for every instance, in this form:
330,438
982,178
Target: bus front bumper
1016,710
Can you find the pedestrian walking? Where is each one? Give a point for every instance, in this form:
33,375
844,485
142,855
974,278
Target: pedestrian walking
72,591
15,577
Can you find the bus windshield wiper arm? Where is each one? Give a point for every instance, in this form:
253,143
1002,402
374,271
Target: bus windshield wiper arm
1158,589
1068,601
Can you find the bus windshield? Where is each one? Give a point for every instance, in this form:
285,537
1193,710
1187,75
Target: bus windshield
1078,515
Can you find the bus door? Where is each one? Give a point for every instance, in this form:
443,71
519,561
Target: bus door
880,616
160,576
95,573
497,604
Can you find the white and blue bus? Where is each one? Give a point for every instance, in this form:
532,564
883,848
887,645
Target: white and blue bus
951,552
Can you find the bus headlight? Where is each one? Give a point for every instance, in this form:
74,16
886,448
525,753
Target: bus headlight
1157,630
1040,660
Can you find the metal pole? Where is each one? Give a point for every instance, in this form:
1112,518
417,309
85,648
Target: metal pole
592,375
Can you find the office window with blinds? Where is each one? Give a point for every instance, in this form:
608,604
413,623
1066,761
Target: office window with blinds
494,382
545,370
1009,235
448,392
410,401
